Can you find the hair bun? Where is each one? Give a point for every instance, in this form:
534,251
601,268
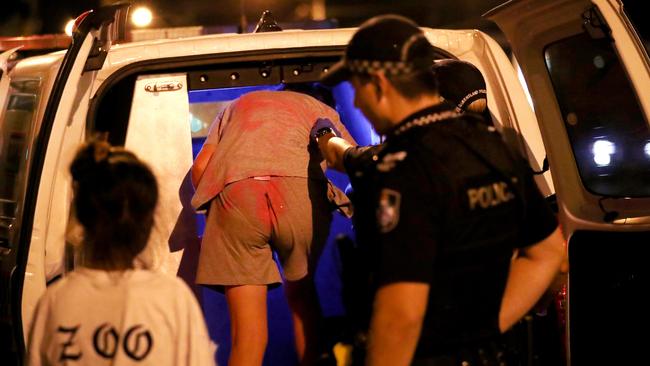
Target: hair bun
101,150
115,196
90,157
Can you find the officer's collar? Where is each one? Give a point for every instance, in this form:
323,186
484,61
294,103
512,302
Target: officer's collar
423,117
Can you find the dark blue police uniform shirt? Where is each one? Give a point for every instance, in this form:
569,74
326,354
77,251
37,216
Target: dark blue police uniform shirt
446,204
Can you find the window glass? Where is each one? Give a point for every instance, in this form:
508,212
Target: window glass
608,132
16,135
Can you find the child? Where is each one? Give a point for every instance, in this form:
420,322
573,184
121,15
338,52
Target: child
107,312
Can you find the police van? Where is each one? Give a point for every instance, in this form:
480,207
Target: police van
583,126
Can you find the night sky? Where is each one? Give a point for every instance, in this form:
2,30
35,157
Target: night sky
26,17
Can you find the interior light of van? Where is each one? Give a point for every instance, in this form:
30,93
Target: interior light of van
68,27
141,17
603,151
226,94
647,149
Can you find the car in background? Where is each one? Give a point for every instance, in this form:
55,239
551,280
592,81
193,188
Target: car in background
32,46
586,135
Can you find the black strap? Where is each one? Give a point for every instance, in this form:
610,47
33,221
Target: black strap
545,167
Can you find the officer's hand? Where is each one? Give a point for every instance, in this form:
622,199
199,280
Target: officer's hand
320,125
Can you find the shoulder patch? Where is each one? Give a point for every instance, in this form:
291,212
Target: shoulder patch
388,210
390,160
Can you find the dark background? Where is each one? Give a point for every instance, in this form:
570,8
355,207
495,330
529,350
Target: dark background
29,17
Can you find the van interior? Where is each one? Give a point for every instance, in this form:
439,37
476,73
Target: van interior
208,94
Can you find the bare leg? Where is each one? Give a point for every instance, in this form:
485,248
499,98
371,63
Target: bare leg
248,324
305,312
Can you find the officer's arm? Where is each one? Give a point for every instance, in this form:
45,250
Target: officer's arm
201,162
333,149
396,322
531,273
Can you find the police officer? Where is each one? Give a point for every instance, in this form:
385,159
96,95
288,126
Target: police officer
461,84
464,243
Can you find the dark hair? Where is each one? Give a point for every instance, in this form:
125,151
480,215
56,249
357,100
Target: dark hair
410,86
416,84
462,84
114,200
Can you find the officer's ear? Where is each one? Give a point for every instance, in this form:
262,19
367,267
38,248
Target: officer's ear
379,83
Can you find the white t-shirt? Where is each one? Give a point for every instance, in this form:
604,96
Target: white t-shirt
133,317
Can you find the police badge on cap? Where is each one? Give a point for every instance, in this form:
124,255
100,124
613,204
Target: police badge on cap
388,210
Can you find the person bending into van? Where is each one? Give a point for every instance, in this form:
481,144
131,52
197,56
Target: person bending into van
264,189
450,206
107,312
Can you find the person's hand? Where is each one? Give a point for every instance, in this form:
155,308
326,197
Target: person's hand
320,125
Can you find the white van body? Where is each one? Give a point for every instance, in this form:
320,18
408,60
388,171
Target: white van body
65,112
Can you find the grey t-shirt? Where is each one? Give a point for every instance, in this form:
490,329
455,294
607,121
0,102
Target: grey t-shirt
264,133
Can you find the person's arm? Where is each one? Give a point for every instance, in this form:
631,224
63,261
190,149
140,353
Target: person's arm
406,244
333,149
210,145
397,318
531,272
201,162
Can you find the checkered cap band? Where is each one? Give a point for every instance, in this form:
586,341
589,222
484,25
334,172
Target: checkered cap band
372,66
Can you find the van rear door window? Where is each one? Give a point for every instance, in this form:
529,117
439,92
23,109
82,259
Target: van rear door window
608,132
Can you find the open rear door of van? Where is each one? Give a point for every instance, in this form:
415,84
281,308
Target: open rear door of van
47,187
160,114
587,70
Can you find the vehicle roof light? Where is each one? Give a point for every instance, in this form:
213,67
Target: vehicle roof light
141,17
68,27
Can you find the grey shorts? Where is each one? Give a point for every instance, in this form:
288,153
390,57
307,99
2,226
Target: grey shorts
251,218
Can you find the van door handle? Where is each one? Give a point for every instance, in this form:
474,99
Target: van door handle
163,86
